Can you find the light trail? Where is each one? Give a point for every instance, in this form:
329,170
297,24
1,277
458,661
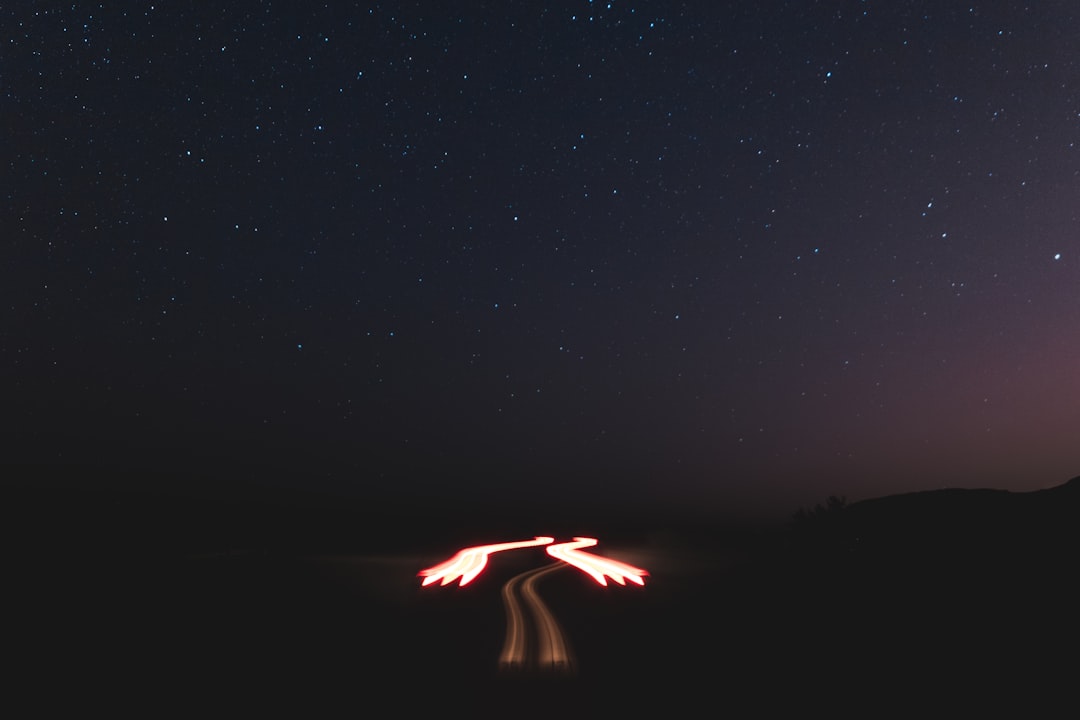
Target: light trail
552,651
599,568
471,561
516,643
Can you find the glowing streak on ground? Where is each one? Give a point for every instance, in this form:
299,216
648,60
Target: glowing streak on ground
513,652
469,562
596,566
552,651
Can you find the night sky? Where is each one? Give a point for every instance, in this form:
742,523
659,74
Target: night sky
693,255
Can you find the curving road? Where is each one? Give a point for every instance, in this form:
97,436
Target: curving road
544,649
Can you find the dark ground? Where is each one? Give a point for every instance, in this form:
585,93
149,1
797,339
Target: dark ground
156,602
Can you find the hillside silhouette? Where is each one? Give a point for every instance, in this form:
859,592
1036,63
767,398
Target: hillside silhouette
946,591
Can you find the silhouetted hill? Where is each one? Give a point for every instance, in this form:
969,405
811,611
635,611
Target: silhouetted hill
942,527
950,587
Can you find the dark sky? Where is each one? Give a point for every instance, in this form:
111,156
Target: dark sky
692,254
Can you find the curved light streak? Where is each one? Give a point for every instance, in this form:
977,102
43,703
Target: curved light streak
599,568
470,562
552,651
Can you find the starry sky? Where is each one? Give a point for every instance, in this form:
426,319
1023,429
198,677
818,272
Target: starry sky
705,254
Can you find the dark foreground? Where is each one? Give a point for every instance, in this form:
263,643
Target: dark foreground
935,602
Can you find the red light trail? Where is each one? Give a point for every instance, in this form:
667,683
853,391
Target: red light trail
470,562
595,566
544,648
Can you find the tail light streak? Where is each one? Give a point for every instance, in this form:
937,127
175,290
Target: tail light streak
595,566
470,562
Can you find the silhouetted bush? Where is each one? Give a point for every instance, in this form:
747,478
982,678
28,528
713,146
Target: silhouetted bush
833,506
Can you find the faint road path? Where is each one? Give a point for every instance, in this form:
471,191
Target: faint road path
545,648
